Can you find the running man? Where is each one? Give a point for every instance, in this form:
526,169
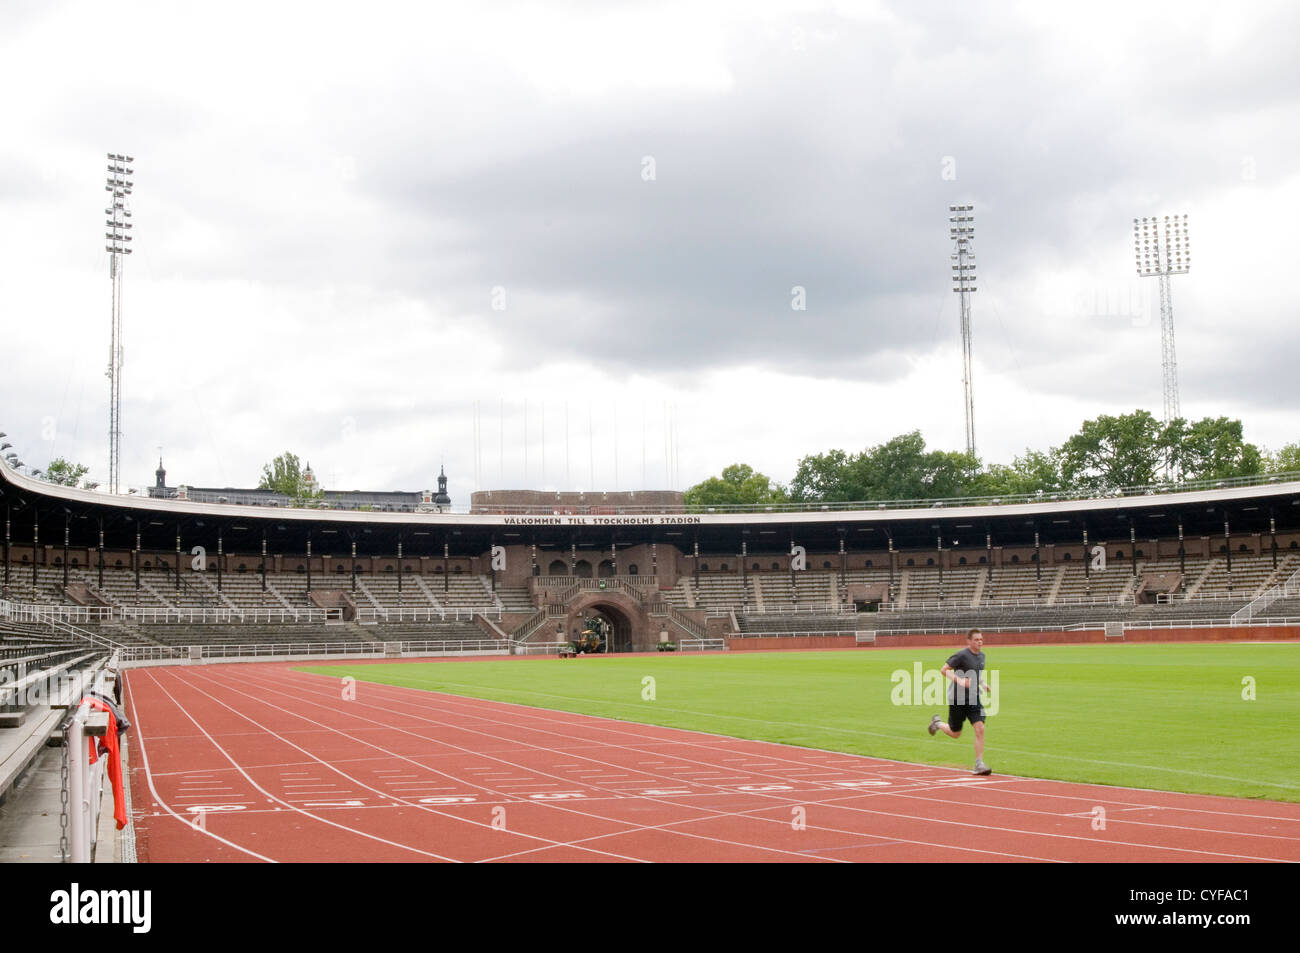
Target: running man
965,672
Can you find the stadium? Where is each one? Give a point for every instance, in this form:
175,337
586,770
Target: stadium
624,678
545,293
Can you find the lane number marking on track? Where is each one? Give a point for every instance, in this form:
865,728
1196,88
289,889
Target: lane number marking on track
556,796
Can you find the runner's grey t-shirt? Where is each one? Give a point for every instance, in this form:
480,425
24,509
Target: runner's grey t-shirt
966,664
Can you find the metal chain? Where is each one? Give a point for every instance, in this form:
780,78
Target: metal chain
63,803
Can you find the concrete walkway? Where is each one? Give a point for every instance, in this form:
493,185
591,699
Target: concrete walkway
30,816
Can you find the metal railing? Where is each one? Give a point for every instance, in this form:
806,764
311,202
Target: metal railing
74,615
426,614
270,650
686,623
84,783
529,626
826,608
150,615
1283,591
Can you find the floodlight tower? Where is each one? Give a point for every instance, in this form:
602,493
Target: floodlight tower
1159,258
119,224
962,230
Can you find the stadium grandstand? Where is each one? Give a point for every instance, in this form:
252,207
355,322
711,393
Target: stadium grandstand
95,581
179,574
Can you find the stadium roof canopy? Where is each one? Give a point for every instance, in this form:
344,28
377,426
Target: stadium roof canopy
1147,515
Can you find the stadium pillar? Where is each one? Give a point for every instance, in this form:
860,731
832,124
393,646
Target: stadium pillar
67,532
1087,564
178,557
399,564
794,586
1227,549
446,569
101,554
8,519
654,559
36,547
744,571
613,553
1273,533
353,570
573,556
938,545
1132,547
220,557
262,567
988,552
893,560
1182,553
135,557
695,567
1038,565
844,568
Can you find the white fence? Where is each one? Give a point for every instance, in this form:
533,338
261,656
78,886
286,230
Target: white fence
257,650
426,614
82,615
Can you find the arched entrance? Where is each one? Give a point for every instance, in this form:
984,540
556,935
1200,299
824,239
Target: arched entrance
621,623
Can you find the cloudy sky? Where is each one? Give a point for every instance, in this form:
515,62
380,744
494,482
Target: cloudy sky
561,245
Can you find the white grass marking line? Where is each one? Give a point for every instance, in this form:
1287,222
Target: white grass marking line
783,801
140,737
323,820
274,688
964,779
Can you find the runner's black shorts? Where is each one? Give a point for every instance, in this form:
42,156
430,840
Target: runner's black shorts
958,715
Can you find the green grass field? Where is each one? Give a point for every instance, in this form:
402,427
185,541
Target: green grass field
1170,717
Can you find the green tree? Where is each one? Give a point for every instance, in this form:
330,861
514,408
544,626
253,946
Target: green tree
1286,460
1212,449
826,478
739,483
1112,452
284,475
900,469
1034,472
62,472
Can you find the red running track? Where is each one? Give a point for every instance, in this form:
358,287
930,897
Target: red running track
257,762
